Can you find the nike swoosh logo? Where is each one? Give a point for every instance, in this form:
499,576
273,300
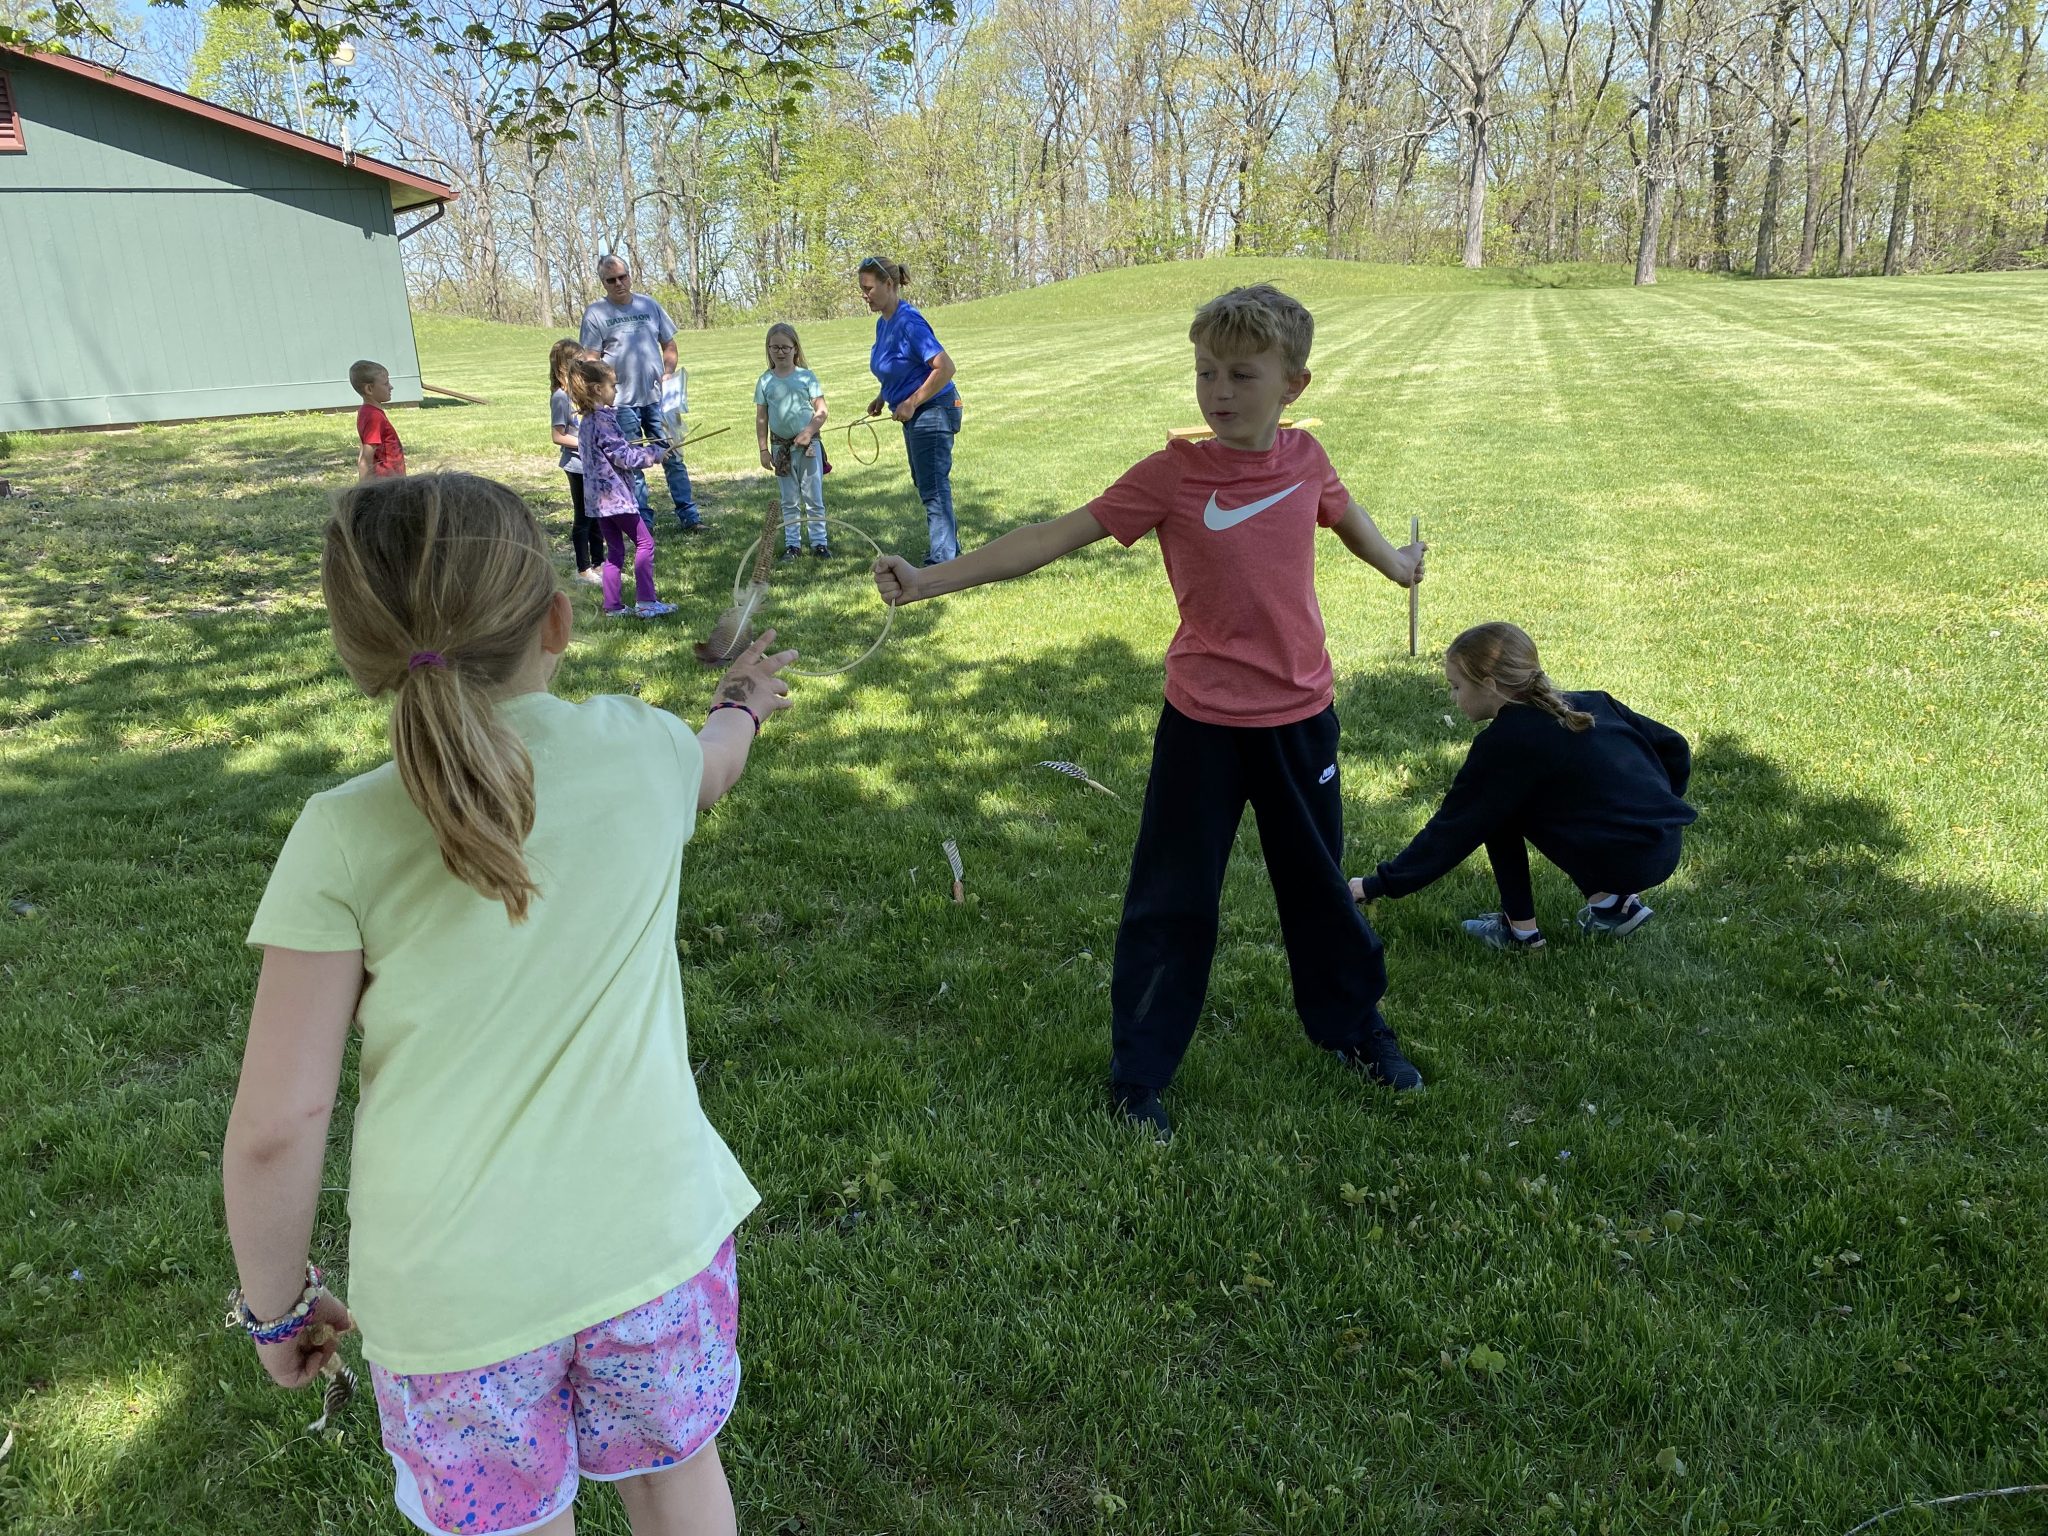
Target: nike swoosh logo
1220,518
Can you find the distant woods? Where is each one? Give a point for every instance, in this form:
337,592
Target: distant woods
1029,140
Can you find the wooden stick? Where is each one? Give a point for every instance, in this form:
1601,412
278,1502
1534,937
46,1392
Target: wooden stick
453,394
1414,588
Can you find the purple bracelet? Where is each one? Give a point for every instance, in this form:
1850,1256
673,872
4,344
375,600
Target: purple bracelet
734,704
278,1329
287,1327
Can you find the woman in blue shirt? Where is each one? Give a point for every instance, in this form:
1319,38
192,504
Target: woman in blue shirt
917,389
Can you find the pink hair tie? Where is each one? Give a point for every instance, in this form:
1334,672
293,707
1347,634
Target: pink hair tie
425,659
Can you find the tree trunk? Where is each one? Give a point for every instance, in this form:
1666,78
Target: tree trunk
536,232
1653,148
1475,186
629,214
1774,181
1721,180
1845,210
1646,241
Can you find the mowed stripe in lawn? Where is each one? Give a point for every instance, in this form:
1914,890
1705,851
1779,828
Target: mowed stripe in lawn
1761,1187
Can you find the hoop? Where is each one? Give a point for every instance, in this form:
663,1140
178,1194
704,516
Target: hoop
743,578
874,442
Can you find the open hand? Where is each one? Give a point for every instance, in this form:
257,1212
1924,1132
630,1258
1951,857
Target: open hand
753,679
298,1359
896,579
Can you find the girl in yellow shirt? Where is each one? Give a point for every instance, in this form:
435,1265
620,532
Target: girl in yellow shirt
541,1217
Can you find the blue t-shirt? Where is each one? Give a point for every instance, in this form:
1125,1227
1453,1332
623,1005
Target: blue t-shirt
788,398
902,355
630,337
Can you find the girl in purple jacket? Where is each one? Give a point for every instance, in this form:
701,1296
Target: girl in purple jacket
606,492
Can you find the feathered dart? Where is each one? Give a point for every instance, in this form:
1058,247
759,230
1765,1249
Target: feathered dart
1076,771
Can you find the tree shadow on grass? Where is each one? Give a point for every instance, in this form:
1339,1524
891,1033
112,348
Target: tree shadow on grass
1811,1050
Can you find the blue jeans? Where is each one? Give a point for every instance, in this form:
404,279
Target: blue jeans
803,491
928,439
644,421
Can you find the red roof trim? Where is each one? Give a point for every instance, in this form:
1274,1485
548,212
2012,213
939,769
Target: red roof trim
320,149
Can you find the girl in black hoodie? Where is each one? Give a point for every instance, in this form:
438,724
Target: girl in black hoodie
1593,785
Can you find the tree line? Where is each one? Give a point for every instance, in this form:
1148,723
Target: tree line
1021,141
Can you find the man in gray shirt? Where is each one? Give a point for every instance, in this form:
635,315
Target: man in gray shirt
635,335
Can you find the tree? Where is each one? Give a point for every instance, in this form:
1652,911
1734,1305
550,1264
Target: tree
688,54
241,63
1472,41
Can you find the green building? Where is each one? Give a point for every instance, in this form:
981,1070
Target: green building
164,259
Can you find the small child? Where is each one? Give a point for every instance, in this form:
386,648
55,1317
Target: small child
583,534
1249,711
540,1217
607,458
789,412
382,456
1593,785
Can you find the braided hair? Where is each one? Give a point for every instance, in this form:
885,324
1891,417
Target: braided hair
1503,655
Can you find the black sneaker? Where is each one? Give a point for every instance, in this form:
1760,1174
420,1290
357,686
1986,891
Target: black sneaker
1617,919
1380,1061
822,551
1141,1107
790,551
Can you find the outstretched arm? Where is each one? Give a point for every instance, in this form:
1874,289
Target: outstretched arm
1016,552
727,735
1362,537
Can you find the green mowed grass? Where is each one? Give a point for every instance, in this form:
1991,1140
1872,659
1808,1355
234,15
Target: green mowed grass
1736,1226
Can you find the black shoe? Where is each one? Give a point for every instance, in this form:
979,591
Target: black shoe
1380,1061
822,551
790,551
1619,918
1141,1107
696,527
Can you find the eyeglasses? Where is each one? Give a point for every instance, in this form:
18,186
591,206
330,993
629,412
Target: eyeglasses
877,267
617,277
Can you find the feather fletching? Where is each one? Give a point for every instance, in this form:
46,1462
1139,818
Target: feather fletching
1076,771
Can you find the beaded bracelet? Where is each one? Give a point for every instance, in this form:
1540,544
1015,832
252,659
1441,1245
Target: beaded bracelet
278,1329
734,704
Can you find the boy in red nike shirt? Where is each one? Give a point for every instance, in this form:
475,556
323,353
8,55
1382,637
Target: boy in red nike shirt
1249,711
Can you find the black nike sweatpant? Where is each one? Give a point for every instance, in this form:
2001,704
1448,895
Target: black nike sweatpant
1202,775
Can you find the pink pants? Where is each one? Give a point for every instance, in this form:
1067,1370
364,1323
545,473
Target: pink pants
616,531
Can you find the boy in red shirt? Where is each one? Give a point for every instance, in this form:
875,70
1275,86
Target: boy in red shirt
382,456
1249,711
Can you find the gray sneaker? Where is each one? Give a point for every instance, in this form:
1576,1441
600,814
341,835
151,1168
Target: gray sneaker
1624,917
1495,932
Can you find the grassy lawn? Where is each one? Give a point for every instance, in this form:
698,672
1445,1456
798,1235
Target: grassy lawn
1737,1226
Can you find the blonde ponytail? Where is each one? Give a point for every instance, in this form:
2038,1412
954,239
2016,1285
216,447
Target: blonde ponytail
435,586
1503,655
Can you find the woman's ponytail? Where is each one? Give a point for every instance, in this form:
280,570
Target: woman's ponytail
435,586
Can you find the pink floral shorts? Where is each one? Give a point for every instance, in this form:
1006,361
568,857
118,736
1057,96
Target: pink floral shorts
500,1448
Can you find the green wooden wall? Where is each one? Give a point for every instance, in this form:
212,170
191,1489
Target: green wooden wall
155,266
